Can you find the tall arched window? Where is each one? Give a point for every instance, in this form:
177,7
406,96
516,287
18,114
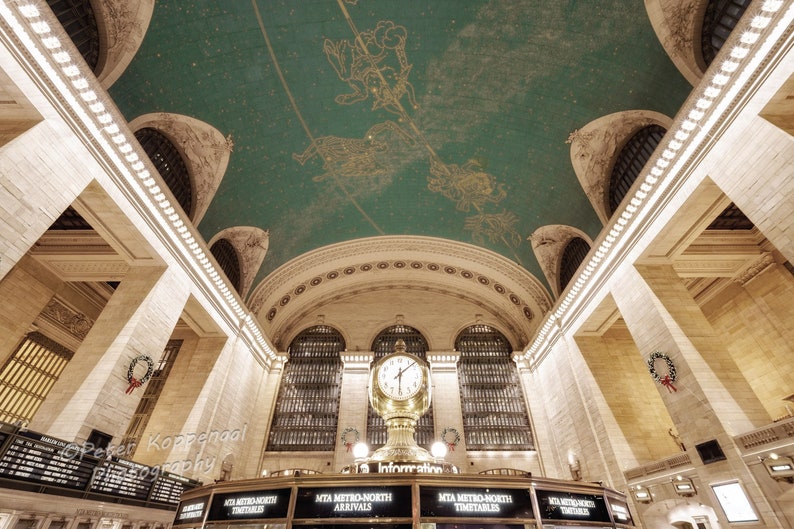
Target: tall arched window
572,256
718,22
77,18
28,375
383,344
169,163
307,407
226,255
494,414
630,161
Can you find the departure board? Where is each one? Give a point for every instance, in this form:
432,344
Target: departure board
33,457
123,478
37,458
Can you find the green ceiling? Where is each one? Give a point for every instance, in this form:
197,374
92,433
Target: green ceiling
357,118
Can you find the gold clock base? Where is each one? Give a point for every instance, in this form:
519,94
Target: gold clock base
401,445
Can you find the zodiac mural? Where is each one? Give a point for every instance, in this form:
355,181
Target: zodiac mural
374,65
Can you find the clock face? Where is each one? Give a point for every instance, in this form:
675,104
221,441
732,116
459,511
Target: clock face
400,377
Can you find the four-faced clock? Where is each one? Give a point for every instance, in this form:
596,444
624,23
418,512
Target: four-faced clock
400,377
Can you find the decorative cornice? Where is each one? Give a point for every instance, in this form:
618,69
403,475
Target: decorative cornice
752,271
75,323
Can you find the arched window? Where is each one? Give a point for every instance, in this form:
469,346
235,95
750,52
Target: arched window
77,18
28,375
169,163
307,406
573,255
226,255
494,414
718,22
630,161
383,344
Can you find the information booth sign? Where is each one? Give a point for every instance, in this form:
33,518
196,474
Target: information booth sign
458,502
620,511
248,505
559,505
192,511
353,502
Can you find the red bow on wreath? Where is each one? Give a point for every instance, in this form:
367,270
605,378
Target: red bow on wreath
667,382
134,383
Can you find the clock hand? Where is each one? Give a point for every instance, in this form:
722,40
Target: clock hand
403,370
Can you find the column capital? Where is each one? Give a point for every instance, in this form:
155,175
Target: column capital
440,360
356,359
521,360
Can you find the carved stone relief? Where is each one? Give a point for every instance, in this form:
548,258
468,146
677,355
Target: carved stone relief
122,26
677,25
251,244
595,146
548,243
205,150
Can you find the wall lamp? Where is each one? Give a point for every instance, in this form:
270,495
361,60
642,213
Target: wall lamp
684,486
781,468
575,467
641,494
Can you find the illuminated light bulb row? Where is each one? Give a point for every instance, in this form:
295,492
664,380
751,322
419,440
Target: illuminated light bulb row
105,122
662,162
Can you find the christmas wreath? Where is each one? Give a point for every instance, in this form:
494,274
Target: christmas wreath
665,380
135,382
446,433
346,437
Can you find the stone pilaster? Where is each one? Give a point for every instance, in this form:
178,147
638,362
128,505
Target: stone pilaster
25,292
138,320
709,400
447,411
353,403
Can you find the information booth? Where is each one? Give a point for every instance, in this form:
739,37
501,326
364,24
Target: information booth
402,501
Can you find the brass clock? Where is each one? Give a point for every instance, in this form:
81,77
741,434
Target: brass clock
400,384
400,377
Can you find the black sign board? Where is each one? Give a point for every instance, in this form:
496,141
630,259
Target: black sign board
124,478
167,490
192,511
556,505
37,458
354,502
620,511
249,505
475,503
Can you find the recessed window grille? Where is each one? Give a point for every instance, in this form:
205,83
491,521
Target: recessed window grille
573,255
226,255
718,22
28,376
630,161
732,218
384,344
77,18
151,394
169,163
307,406
70,219
494,414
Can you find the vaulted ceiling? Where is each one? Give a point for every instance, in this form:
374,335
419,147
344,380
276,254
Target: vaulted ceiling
358,118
